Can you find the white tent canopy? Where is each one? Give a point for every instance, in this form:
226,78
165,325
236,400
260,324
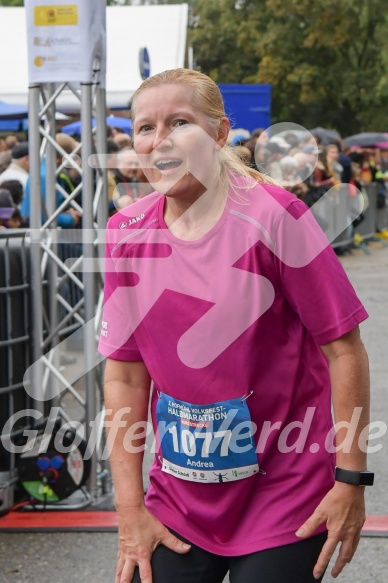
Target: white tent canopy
161,29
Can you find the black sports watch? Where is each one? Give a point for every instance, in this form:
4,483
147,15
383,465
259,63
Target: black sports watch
354,478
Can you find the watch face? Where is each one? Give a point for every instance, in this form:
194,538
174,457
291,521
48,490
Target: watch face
366,478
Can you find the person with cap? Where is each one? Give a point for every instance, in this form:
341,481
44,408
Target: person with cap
19,167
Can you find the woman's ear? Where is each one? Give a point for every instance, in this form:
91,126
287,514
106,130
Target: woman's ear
223,132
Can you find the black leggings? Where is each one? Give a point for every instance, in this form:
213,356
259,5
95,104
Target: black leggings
291,563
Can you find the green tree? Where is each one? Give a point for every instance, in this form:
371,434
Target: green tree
327,60
224,48
11,2
118,2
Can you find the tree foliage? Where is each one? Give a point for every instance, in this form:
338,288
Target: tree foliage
11,2
327,60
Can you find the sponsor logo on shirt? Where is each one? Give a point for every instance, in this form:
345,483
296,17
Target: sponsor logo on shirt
131,221
104,328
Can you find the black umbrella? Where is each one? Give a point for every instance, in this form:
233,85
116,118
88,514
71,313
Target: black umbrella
365,140
327,136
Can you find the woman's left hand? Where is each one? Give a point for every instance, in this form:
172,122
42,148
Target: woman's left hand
343,511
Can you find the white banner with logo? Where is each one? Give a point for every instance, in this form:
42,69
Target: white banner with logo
66,41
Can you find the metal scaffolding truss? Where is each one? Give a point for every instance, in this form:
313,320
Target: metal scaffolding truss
65,296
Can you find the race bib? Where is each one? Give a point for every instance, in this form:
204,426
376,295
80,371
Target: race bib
206,443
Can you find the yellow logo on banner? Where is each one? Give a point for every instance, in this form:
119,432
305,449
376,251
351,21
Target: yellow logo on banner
38,62
63,15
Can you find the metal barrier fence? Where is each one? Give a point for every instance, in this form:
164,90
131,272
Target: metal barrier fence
367,228
337,209
14,346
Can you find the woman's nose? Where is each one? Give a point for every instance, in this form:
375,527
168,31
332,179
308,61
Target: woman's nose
162,138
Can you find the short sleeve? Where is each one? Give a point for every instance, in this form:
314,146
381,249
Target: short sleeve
312,278
117,340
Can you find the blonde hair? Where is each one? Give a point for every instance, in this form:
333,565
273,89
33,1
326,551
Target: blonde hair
207,97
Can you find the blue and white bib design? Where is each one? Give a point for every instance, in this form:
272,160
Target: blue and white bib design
206,443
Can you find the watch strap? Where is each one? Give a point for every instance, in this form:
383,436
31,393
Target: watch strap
355,478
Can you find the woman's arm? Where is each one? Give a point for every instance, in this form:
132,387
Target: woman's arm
343,508
127,389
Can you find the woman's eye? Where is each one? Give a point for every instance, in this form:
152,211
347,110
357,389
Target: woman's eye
145,128
181,122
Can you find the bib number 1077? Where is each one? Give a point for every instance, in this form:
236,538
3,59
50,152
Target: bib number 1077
189,442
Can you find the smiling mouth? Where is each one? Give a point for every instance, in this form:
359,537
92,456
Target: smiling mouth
168,164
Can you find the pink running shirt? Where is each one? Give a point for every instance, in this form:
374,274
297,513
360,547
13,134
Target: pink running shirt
240,311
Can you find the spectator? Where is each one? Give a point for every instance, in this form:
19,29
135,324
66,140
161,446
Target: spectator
70,217
131,182
110,132
9,215
68,176
332,156
123,141
19,167
11,141
5,160
112,151
292,140
381,176
126,175
275,154
261,155
323,176
366,160
16,190
260,133
289,167
239,139
346,163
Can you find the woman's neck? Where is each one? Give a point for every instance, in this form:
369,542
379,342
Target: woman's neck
190,220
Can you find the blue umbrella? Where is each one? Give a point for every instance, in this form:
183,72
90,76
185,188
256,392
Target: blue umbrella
13,125
123,123
8,111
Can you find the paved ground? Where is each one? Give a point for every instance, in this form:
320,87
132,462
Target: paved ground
90,558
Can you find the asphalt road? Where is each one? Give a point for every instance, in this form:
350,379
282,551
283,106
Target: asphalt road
90,557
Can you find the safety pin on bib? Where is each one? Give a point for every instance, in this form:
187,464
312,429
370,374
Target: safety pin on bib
245,397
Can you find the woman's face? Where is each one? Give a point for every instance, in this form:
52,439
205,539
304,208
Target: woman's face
175,143
332,153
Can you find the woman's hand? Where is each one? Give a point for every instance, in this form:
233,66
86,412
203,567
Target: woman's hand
139,535
343,511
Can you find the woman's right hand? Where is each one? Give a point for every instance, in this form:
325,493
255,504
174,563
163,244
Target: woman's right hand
139,535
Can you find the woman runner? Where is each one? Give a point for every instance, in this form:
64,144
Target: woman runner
223,294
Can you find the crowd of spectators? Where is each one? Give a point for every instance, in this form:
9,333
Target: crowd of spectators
126,180
309,166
